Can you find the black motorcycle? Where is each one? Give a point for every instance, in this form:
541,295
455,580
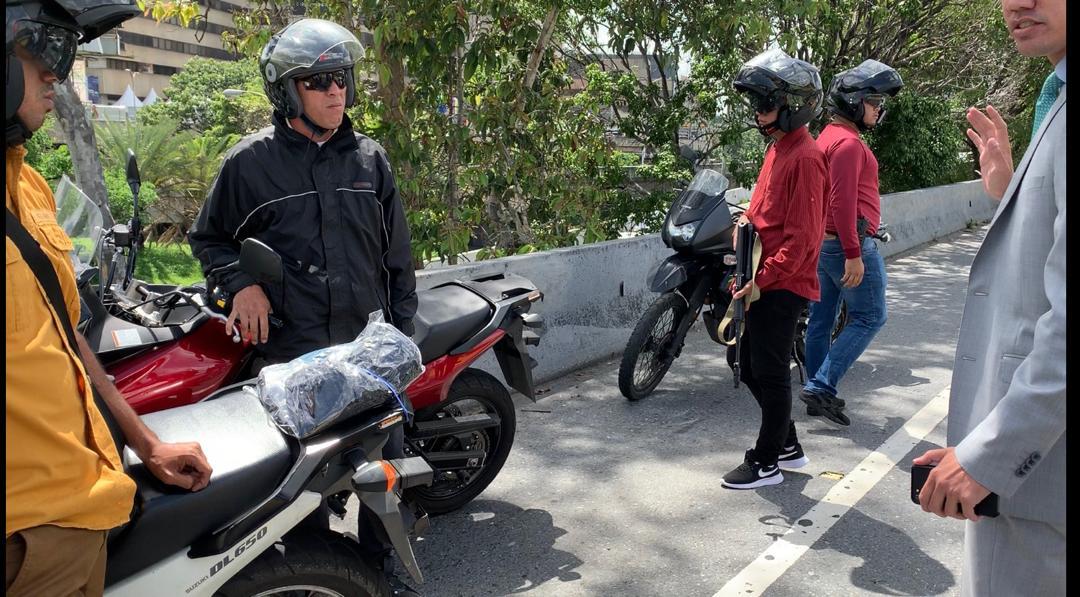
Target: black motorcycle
694,281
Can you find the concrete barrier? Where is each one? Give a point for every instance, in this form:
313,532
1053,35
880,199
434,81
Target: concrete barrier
917,217
594,294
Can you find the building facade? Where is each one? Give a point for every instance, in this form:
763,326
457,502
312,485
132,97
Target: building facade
144,54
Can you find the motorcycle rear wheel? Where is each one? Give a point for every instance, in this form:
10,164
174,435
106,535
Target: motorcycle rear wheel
800,332
650,351
473,392
312,564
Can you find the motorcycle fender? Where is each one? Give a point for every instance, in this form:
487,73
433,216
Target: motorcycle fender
514,360
671,273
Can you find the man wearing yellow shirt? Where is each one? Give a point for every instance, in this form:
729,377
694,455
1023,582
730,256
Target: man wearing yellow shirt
65,485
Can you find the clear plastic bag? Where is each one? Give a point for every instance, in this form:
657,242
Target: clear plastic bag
317,390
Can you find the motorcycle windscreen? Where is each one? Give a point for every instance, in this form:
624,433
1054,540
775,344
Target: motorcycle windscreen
698,199
714,232
81,220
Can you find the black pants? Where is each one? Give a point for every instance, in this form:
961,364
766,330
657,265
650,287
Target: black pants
765,367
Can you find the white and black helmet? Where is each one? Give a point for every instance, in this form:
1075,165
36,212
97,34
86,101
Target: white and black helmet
304,48
870,80
773,80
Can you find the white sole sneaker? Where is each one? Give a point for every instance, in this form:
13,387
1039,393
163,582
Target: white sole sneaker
793,464
770,480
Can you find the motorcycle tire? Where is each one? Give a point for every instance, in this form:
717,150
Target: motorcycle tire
800,332
473,392
317,562
652,343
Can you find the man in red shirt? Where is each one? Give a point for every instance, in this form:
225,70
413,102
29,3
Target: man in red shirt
787,209
849,267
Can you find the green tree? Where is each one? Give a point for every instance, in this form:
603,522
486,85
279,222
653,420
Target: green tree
920,144
158,149
196,102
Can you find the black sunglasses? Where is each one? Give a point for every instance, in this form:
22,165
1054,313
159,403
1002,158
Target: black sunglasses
321,81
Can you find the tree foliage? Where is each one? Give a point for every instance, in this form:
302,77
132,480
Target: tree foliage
500,116
196,100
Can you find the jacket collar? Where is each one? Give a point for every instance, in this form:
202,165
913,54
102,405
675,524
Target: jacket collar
343,138
793,138
14,164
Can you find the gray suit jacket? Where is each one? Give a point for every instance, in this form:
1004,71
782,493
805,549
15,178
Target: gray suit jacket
1007,404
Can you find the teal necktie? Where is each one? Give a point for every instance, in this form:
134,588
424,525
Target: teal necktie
1047,97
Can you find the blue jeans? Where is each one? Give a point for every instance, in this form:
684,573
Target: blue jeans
827,361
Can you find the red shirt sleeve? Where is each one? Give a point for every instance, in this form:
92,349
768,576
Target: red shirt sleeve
845,168
804,223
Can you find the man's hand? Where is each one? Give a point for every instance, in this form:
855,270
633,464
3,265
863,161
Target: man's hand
183,465
853,272
949,490
250,311
741,293
991,138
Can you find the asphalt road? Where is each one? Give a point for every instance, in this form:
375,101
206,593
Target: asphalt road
604,497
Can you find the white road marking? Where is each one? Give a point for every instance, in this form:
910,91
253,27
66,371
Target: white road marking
781,555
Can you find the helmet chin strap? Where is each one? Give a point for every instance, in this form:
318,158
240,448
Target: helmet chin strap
767,130
316,129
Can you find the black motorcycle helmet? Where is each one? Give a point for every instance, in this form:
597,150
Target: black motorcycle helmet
303,48
50,31
773,79
871,79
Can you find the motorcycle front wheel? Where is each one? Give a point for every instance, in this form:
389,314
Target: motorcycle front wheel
311,564
474,392
651,349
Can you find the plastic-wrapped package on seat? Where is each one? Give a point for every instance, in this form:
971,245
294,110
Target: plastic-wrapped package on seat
313,392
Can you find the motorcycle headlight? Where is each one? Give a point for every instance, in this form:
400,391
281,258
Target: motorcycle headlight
684,232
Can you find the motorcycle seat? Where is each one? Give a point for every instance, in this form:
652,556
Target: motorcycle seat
249,457
446,317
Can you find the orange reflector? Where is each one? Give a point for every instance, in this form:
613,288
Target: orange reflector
391,475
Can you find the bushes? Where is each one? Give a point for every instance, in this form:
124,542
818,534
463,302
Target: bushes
921,143
120,198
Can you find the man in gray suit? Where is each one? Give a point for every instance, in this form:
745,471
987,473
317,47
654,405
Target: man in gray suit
1007,404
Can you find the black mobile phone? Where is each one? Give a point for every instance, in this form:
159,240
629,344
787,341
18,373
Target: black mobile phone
919,472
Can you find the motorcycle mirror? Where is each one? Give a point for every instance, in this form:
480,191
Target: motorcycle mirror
260,261
132,169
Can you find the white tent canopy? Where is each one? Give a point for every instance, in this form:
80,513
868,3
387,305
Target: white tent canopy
128,99
150,97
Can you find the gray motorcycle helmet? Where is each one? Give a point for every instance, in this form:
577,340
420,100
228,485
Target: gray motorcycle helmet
850,87
773,79
303,48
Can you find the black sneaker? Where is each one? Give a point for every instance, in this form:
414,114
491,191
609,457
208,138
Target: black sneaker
792,457
820,405
751,474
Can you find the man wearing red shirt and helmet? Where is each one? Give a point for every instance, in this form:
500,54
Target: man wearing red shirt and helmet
787,209
849,267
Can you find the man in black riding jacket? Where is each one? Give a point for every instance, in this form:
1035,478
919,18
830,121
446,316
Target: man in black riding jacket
323,197
317,192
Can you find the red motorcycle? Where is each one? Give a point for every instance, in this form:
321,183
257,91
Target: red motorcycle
166,346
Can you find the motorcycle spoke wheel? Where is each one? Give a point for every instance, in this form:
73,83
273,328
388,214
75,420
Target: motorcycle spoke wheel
652,347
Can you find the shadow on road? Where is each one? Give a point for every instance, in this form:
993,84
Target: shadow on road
510,551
